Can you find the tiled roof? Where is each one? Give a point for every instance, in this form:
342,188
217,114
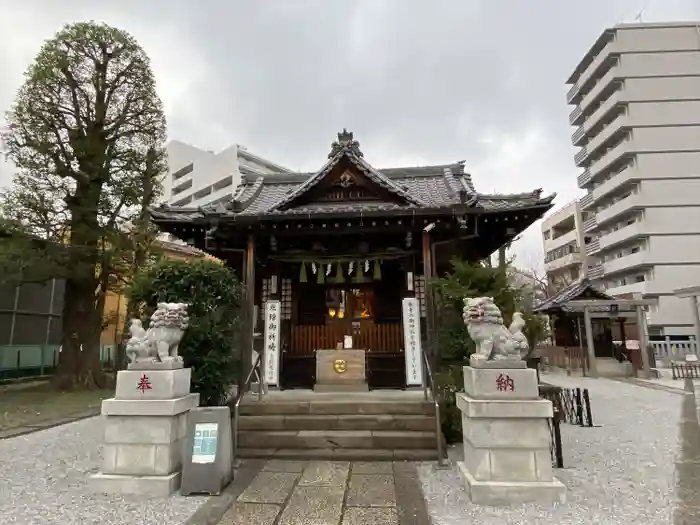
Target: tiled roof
441,187
570,293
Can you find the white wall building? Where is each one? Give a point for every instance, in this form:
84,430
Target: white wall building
563,240
636,97
199,177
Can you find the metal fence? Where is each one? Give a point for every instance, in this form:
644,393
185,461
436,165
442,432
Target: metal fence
685,370
570,405
23,361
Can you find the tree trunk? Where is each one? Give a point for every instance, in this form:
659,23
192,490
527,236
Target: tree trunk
79,364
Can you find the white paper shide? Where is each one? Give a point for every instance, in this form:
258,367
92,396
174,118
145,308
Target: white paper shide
271,353
412,341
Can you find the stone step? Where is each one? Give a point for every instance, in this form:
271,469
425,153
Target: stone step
337,408
351,439
336,422
340,454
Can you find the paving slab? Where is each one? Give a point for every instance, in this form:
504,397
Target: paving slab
269,487
369,490
370,516
250,514
314,505
280,465
367,467
325,473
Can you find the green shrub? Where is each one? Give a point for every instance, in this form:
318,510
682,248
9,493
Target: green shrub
214,295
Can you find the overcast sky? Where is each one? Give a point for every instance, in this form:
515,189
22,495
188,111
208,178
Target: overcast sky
417,81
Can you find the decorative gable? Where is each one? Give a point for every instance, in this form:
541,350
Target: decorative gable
347,177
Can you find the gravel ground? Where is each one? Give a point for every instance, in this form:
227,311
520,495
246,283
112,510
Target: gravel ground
44,476
621,473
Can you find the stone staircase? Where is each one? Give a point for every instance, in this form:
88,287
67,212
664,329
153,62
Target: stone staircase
371,426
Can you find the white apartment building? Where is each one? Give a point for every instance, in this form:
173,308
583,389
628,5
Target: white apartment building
198,177
636,98
563,240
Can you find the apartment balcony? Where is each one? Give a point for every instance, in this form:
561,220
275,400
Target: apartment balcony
575,117
613,155
586,200
604,87
590,224
578,135
625,263
601,111
562,240
619,125
572,93
603,60
615,182
631,231
570,259
593,247
581,156
596,272
584,178
619,208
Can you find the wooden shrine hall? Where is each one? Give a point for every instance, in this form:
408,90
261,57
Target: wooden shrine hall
339,260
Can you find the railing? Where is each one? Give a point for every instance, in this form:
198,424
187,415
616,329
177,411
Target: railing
575,114
668,351
25,361
685,370
593,246
581,156
596,272
255,371
429,383
577,135
569,405
586,200
590,223
583,179
374,338
572,92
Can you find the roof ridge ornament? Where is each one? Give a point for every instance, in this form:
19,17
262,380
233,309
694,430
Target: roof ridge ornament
346,142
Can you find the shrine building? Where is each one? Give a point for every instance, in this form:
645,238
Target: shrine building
340,259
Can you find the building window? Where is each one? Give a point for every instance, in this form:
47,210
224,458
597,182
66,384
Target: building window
183,171
182,187
547,234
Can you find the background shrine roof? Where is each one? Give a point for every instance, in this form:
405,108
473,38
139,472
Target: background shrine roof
443,186
577,290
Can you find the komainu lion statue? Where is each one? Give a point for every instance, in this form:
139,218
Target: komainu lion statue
159,343
493,340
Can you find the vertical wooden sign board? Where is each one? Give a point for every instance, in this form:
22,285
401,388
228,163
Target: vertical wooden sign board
207,465
412,341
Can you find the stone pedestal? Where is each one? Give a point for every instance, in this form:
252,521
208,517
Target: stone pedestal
506,436
145,431
340,371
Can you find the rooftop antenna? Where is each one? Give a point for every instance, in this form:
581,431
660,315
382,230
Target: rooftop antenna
638,18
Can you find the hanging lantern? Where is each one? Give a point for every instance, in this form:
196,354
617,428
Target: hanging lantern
377,270
339,278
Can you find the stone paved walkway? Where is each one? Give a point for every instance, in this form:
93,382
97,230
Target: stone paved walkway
321,493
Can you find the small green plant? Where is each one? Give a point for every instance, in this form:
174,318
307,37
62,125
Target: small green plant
214,294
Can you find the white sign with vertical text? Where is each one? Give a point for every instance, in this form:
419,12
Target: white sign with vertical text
271,352
412,341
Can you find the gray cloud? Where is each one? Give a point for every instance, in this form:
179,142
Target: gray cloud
417,81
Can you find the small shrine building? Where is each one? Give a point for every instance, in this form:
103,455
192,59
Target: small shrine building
343,257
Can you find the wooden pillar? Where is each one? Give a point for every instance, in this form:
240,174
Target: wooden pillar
431,349
248,310
592,364
643,343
